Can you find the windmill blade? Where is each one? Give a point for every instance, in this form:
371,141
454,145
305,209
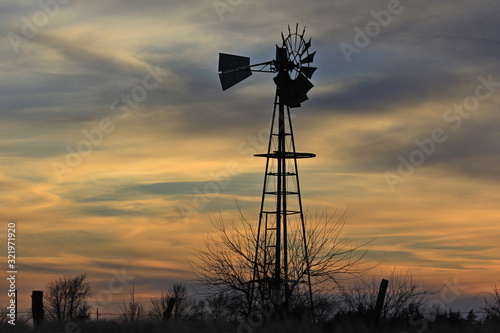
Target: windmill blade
293,104
308,71
296,102
307,45
309,58
302,97
296,34
295,91
301,86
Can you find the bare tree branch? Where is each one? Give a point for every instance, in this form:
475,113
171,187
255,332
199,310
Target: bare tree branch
132,310
227,259
66,298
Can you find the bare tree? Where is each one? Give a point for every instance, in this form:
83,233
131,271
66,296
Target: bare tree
197,310
66,298
158,306
3,315
133,309
228,257
405,296
492,307
179,293
226,260
218,306
223,306
21,320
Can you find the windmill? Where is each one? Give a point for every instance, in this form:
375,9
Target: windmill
274,275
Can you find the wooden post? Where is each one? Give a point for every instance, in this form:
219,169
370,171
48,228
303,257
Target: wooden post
37,308
380,303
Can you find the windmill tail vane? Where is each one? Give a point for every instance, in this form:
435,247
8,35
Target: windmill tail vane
281,220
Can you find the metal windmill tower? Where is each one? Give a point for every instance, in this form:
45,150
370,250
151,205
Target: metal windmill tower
281,262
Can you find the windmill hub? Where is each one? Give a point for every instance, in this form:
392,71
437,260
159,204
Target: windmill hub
285,66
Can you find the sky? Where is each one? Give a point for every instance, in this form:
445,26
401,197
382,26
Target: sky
118,144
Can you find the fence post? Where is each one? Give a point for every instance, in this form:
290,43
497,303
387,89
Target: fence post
37,308
380,303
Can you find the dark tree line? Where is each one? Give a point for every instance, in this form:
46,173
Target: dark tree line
406,307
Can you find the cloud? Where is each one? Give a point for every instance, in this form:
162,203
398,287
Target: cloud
401,258
388,94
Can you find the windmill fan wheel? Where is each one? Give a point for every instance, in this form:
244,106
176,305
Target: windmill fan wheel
294,62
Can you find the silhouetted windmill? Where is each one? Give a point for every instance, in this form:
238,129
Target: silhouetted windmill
281,198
